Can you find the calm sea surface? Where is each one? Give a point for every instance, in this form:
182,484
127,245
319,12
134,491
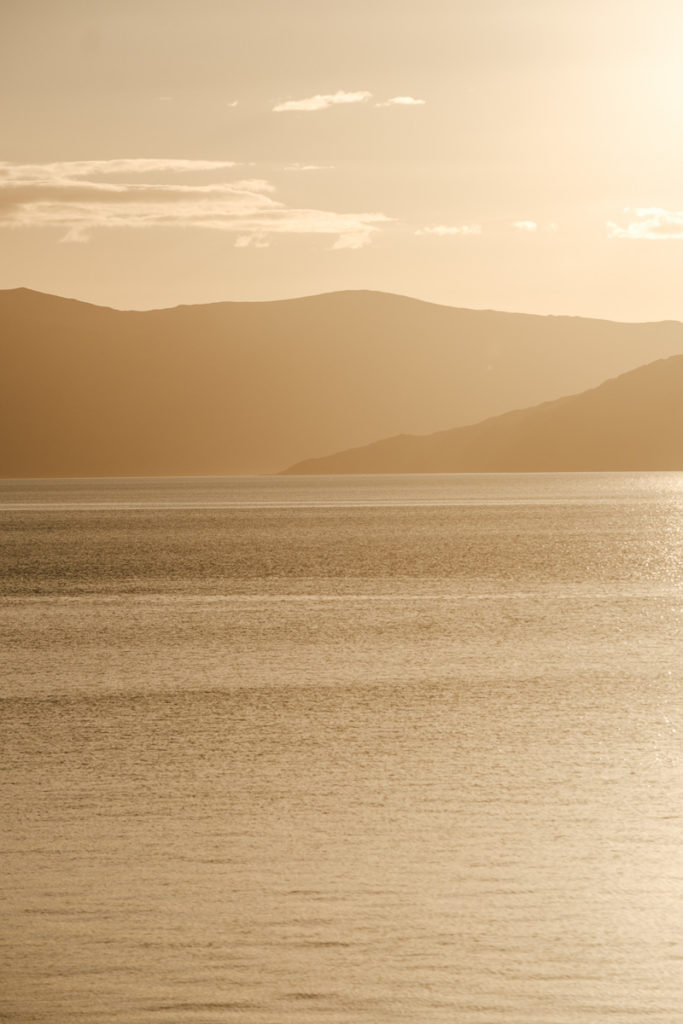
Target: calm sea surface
342,750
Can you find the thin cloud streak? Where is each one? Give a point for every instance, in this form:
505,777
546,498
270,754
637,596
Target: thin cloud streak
652,224
443,230
401,101
322,102
308,167
525,225
60,195
65,170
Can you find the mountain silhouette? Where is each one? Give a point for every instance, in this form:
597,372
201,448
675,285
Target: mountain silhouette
632,422
250,387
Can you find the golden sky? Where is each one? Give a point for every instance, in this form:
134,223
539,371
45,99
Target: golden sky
511,154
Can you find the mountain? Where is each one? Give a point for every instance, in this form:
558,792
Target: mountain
241,387
632,422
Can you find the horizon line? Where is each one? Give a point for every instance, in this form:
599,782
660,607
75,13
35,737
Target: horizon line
333,292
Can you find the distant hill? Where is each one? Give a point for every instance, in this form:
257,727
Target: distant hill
632,422
233,388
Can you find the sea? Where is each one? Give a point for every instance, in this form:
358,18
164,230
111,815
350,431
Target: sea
342,750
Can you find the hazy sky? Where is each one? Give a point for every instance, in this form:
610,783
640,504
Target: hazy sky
511,154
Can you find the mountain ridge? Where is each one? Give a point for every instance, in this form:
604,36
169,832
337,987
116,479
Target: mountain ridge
633,421
339,292
239,388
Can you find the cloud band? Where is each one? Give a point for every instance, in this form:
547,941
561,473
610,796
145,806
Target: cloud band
322,101
651,223
73,197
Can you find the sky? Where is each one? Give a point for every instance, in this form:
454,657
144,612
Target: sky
520,155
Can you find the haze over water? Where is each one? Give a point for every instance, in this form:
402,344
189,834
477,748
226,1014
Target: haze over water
357,750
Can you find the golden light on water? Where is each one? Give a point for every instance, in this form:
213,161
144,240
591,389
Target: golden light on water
341,511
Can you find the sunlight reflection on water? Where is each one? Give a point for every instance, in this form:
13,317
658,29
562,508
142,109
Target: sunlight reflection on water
413,760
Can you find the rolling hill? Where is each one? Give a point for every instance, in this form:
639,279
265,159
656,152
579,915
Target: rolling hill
239,388
632,422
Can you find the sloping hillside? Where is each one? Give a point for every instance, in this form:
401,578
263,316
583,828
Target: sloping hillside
252,387
633,422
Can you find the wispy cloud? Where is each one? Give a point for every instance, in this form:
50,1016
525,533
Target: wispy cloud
73,197
442,230
308,167
322,102
401,101
69,169
651,223
257,240
525,225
